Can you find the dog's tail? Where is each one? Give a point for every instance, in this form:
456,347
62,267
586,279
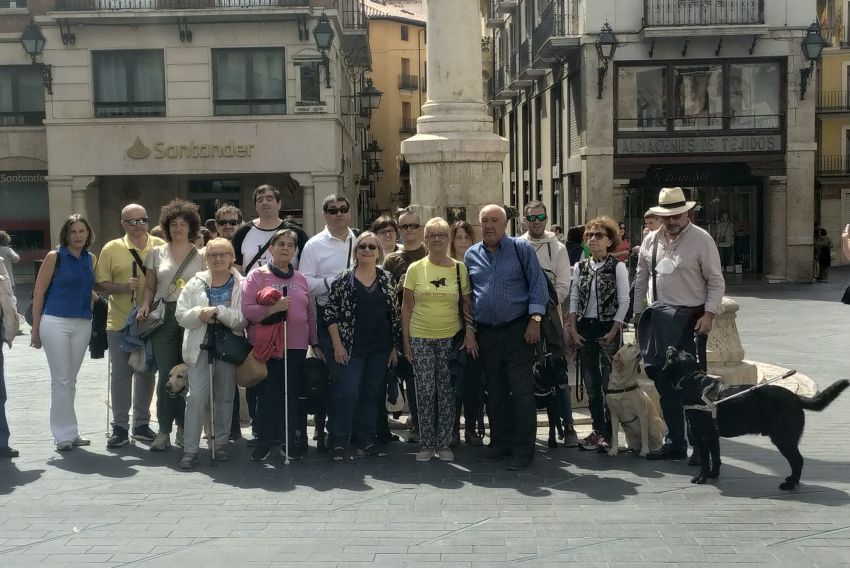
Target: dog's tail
825,397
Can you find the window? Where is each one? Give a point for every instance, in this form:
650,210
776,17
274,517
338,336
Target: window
754,95
642,98
129,83
13,4
698,96
310,89
405,33
21,96
248,81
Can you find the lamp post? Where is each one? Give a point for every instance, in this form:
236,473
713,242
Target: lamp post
606,45
33,42
323,33
812,47
370,97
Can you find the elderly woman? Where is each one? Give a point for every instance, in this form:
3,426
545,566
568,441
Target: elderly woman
210,297
9,325
387,230
62,312
598,303
272,293
435,288
363,322
167,269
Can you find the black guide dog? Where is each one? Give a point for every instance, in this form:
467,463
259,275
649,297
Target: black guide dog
550,375
770,410
314,399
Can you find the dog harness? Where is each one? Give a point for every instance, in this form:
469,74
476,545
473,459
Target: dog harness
712,404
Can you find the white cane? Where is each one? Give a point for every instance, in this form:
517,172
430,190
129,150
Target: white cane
108,389
211,365
285,388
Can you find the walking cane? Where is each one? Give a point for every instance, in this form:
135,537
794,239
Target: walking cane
285,387
211,361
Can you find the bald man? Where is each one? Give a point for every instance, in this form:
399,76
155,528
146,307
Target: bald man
120,275
509,297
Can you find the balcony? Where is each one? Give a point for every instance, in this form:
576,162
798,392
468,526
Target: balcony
22,118
516,80
500,93
677,13
495,20
408,82
833,165
833,101
506,6
407,126
113,5
557,35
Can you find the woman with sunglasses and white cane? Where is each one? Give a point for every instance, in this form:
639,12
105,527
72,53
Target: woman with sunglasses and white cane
211,297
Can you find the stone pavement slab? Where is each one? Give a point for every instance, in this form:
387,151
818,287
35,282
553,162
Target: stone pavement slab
131,507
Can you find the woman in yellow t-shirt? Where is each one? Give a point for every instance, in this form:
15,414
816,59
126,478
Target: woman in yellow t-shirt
430,318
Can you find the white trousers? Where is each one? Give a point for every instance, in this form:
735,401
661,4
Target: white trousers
198,402
65,341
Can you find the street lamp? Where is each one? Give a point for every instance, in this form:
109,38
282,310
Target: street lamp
606,45
323,33
812,47
33,42
370,97
374,152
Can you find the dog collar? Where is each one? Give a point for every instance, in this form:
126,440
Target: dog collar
620,391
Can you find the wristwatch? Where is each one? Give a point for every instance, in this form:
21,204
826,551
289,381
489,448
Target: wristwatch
536,317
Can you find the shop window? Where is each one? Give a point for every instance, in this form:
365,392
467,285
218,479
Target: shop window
310,85
249,81
21,96
754,95
642,98
129,83
698,97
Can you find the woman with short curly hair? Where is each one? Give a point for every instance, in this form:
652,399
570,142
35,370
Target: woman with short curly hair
167,269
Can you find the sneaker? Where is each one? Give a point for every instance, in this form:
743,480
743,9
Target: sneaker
570,438
178,437
372,452
144,433
188,461
161,442
260,453
65,445
591,442
118,438
446,455
78,441
472,438
604,444
425,454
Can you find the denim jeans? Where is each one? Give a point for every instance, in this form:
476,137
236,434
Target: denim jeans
4,426
271,394
596,368
167,342
356,391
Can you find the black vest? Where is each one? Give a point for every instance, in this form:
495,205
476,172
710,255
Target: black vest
606,288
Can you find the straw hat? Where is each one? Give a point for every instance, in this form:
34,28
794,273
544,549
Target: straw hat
671,201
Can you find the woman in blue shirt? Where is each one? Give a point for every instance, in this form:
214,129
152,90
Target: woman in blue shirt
61,309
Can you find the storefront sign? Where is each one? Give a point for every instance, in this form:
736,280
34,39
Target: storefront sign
697,175
192,150
18,177
301,108
701,145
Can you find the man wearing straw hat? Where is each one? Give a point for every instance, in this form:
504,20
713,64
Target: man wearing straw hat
680,275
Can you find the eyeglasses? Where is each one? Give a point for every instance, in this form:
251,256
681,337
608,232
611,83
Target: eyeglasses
409,227
596,235
533,218
136,222
218,255
384,232
439,236
333,210
369,246
225,222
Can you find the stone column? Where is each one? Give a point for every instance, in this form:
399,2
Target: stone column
455,158
308,201
60,204
775,216
799,219
597,154
324,185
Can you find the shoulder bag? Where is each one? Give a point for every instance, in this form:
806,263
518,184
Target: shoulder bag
156,312
223,344
28,311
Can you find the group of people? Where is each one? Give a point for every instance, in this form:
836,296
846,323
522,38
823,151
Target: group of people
366,303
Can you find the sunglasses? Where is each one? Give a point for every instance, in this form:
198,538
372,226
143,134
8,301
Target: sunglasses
225,222
369,246
533,218
409,227
596,235
136,222
333,210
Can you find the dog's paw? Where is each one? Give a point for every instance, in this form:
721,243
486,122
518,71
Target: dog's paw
788,484
699,480
644,453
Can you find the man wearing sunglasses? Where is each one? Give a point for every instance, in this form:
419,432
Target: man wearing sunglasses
680,276
227,219
120,275
555,262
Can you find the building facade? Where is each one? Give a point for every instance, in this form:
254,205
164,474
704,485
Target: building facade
200,100
701,94
832,183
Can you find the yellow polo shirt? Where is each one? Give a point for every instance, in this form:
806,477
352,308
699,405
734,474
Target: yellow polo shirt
435,313
116,265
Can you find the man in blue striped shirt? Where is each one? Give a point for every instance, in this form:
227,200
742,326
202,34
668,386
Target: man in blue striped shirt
509,297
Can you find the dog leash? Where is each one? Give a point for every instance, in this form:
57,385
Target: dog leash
711,405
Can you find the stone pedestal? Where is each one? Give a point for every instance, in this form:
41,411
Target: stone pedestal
455,158
725,352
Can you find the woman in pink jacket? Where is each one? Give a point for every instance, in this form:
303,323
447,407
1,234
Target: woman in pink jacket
294,305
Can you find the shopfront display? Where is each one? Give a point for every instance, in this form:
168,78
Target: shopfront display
24,215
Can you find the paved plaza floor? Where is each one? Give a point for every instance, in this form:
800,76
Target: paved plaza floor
131,507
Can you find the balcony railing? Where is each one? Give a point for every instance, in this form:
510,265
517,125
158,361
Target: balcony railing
833,165
407,126
524,55
353,14
499,81
834,101
408,82
702,12
22,118
109,5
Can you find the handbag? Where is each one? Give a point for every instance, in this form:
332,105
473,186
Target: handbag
28,311
251,372
846,297
156,311
227,346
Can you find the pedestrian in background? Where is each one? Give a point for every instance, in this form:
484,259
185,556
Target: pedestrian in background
823,253
9,326
62,313
10,257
